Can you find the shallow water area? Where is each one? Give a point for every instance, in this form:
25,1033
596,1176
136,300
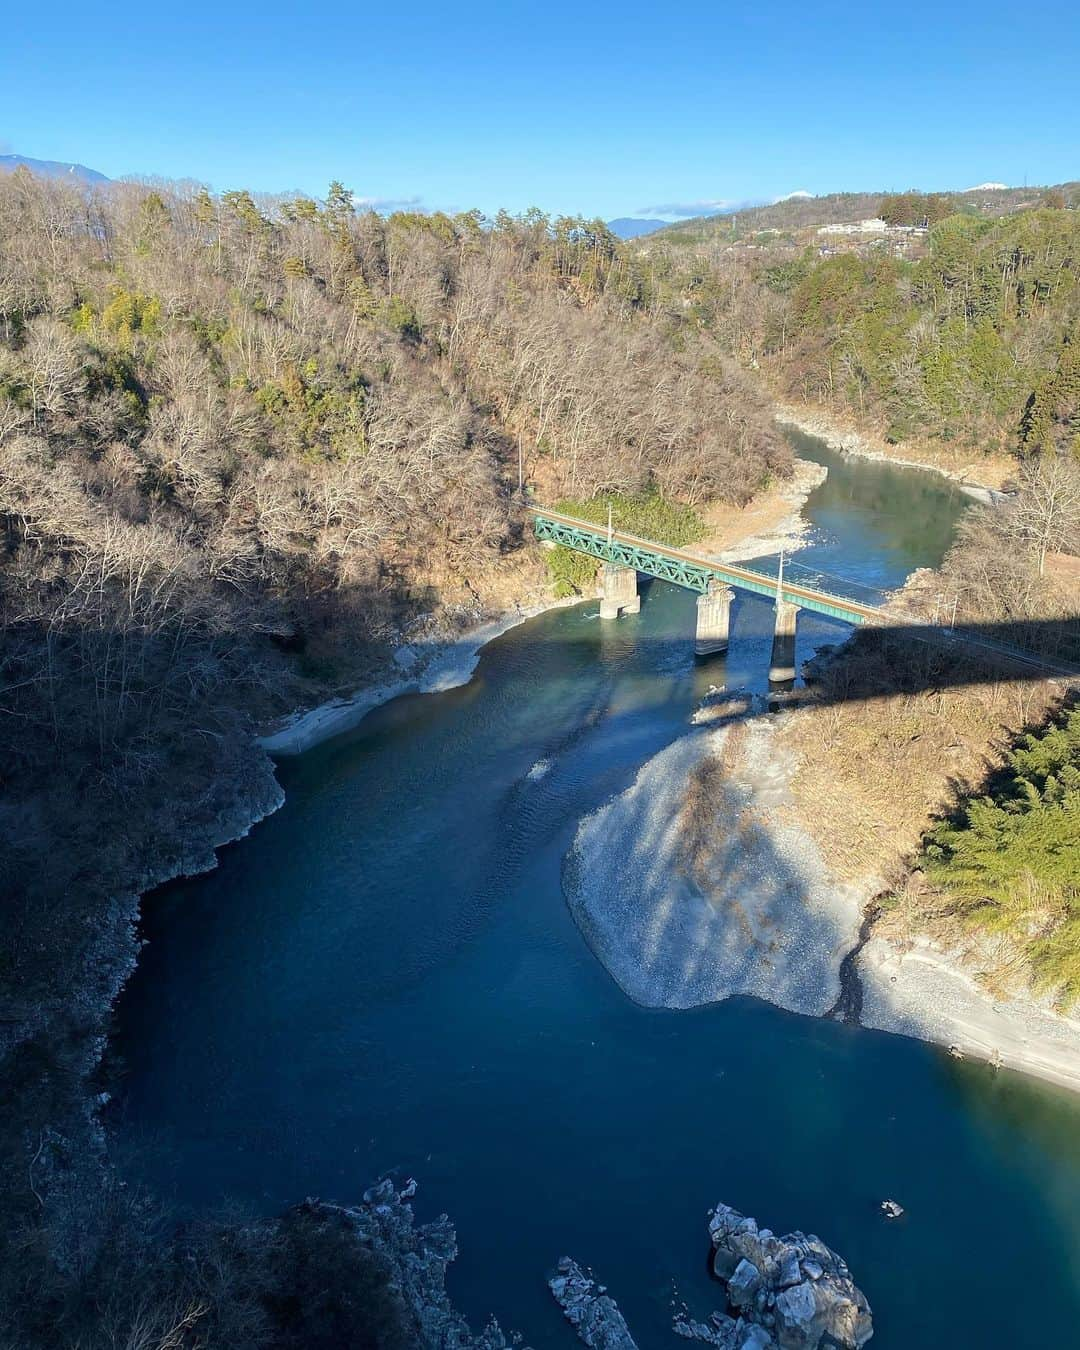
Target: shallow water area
384,977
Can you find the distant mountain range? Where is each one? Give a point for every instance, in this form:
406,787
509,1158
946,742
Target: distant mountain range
632,227
800,211
51,168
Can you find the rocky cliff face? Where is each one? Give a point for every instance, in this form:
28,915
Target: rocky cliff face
418,1256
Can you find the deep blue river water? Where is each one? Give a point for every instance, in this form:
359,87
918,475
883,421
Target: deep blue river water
384,977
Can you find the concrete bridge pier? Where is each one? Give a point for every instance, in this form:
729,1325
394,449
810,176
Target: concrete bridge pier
713,619
782,666
618,591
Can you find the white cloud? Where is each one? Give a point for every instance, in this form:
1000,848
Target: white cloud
714,206
388,203
684,210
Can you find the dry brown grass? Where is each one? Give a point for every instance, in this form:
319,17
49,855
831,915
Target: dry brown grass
873,772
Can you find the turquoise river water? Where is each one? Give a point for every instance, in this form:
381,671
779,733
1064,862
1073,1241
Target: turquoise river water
384,977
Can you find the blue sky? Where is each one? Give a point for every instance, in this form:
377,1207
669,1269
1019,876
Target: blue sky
604,109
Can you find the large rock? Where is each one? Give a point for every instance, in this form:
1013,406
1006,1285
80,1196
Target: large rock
797,1321
744,1284
792,1292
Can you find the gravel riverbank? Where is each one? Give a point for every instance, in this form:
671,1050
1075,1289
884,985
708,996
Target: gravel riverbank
771,522
684,912
921,991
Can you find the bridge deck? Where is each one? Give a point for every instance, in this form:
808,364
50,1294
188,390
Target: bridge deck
688,569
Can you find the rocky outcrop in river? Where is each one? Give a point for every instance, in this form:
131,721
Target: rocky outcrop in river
590,1309
783,1293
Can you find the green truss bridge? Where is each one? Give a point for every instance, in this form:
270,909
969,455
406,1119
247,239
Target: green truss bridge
686,569
624,555
794,588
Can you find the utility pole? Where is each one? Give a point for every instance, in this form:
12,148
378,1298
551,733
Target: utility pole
609,530
780,580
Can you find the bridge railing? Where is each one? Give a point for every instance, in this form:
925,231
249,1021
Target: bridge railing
815,579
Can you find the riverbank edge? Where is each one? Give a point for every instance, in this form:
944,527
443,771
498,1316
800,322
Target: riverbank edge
788,533
78,1143
848,440
448,665
919,989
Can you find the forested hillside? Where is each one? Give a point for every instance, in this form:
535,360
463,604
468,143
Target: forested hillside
242,443
1007,861
970,337
801,211
975,341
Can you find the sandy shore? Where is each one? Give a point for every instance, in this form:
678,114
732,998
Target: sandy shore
920,991
771,522
981,479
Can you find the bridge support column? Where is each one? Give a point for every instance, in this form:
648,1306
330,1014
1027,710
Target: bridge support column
713,619
618,591
782,666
